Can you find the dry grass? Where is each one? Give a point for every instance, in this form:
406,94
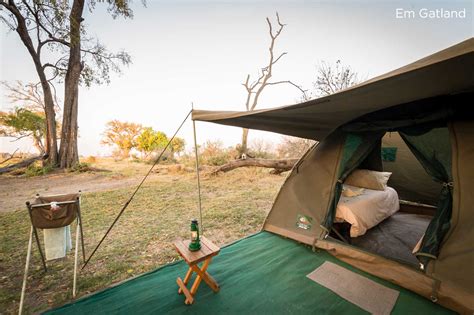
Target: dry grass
234,205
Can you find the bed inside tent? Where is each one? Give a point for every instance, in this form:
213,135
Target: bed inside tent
391,221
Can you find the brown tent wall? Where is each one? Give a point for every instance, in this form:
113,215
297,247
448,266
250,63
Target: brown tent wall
307,191
309,187
409,179
455,263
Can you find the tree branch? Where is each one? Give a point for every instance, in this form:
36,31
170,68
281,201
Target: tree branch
291,83
98,54
276,60
21,164
39,24
21,137
11,157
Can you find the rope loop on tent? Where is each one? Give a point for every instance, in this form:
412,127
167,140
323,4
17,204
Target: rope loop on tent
127,203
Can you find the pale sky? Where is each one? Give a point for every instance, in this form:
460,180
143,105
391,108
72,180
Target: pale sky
201,52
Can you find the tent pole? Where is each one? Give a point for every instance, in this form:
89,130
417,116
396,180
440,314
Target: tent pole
25,276
76,254
197,172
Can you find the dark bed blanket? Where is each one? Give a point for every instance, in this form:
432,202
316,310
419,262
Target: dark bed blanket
395,237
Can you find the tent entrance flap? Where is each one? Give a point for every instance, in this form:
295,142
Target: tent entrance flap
432,148
357,148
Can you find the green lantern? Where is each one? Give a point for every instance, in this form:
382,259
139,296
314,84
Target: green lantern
195,244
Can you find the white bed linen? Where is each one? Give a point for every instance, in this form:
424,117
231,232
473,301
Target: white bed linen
366,210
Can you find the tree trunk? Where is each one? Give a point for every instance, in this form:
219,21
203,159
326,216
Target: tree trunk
244,147
51,137
68,151
279,166
51,142
38,143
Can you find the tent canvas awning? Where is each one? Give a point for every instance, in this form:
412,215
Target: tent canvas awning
445,73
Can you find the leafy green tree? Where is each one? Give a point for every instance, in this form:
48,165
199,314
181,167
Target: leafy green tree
150,140
23,123
74,58
177,146
122,135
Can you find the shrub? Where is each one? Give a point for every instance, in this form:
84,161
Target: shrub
166,158
213,153
262,149
293,147
81,167
36,169
90,159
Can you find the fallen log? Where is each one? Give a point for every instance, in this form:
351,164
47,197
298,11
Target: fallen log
279,166
24,163
9,158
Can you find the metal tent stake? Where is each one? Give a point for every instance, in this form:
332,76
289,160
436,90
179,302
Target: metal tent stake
197,173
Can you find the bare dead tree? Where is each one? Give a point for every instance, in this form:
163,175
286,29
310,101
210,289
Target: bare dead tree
331,78
28,95
255,88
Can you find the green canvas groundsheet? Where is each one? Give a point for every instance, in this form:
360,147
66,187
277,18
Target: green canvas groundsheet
261,274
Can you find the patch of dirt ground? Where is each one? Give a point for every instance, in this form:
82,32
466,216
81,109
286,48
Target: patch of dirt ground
15,191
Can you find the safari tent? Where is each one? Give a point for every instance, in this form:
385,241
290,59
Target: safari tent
425,106
415,122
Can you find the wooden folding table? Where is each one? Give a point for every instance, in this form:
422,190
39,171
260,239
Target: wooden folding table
205,254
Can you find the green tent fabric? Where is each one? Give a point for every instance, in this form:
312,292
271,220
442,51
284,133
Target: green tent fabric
357,147
261,274
389,154
433,149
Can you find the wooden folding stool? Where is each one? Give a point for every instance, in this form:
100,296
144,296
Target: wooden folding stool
205,254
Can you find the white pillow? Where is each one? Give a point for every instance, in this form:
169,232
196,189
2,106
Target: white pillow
368,179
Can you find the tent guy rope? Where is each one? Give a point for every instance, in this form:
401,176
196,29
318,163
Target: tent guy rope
139,186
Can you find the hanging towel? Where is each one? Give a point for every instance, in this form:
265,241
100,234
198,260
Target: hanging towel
57,242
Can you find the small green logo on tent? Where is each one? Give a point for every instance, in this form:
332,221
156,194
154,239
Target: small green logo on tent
303,222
